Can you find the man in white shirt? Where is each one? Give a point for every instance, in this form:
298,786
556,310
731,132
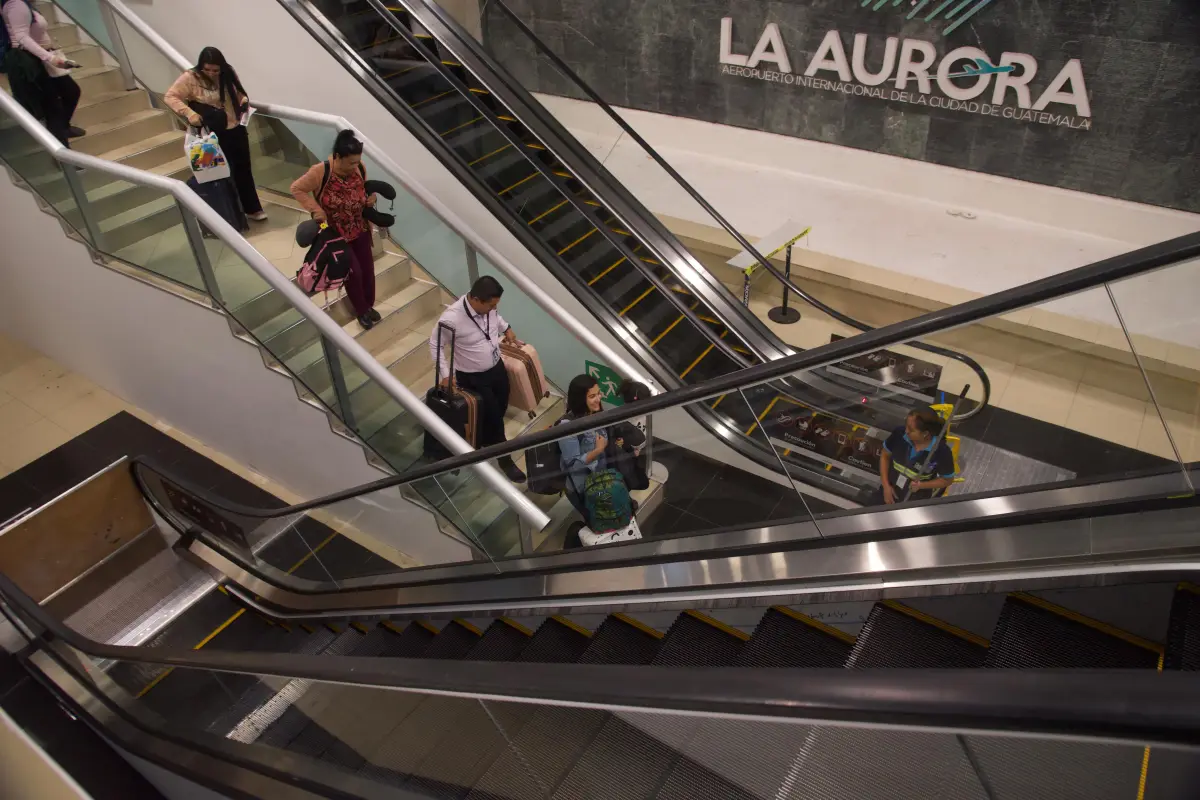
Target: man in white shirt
478,330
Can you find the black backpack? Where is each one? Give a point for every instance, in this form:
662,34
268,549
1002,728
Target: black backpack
543,464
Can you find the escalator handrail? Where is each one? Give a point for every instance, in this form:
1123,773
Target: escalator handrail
1132,706
845,319
429,199
1080,279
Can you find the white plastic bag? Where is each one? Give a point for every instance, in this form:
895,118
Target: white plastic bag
205,157
589,538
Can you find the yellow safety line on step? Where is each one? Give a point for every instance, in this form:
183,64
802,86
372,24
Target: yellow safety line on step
479,91
231,620
535,146
613,266
818,625
719,399
1141,795
391,626
573,626
641,626
1094,624
937,623
451,64
468,626
671,327
547,213
692,366
763,415
506,118
620,232
400,72
512,623
518,183
428,626
358,626
639,299
577,241
1188,587
431,99
460,127
489,155
716,623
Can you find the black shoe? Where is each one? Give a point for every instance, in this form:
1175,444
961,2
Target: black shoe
511,470
76,133
374,315
366,321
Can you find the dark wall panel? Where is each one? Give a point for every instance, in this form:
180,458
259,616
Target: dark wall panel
1140,61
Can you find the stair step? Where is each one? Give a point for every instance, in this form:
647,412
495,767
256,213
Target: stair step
898,636
132,129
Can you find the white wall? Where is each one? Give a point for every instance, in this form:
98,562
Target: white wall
27,772
180,362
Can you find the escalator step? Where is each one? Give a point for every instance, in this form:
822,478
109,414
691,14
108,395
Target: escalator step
898,636
1183,631
697,640
503,164
454,641
556,643
500,642
549,743
785,638
1034,634
409,641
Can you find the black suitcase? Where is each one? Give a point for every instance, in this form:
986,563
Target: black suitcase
222,197
456,407
543,465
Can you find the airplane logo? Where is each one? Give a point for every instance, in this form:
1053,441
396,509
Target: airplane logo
980,67
956,13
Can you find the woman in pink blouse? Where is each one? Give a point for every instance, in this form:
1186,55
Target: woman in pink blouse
50,99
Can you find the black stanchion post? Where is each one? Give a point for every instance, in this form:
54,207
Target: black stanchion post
746,287
782,313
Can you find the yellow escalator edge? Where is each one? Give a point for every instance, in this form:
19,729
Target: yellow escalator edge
1094,624
391,626
361,628
641,626
607,270
400,72
639,299
973,638
561,620
1141,795
451,64
506,118
547,212
535,146
577,241
460,127
1188,587
621,232
716,623
719,399
468,626
518,183
699,358
829,630
428,626
764,414
477,91
671,327
431,99
512,623
489,155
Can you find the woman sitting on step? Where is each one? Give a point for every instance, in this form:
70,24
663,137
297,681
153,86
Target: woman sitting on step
210,95
334,191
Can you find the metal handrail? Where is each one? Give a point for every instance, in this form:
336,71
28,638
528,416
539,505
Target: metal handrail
1080,279
427,198
563,67
326,325
1132,706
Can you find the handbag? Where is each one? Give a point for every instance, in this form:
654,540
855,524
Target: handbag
205,157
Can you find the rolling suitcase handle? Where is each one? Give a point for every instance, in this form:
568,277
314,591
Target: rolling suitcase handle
437,364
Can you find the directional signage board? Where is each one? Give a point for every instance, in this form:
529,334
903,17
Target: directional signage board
609,380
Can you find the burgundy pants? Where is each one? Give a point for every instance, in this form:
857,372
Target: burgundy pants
360,283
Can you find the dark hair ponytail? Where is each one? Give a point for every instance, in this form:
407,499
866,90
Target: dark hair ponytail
347,144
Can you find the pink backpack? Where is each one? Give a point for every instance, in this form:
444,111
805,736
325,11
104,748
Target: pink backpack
327,264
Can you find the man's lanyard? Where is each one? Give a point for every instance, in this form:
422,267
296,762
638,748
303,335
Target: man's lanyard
487,334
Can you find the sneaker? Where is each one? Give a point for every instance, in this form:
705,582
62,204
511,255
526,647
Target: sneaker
258,216
366,322
511,470
374,315
76,133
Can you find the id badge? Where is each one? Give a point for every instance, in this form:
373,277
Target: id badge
901,481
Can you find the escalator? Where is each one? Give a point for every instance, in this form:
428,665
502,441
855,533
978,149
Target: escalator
597,693
597,239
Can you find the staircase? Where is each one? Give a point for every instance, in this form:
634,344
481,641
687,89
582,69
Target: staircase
142,227
447,747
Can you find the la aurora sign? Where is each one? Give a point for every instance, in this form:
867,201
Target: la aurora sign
964,79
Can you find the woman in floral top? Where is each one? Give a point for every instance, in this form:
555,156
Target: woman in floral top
334,191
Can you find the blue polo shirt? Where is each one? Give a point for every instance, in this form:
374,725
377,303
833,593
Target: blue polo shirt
907,460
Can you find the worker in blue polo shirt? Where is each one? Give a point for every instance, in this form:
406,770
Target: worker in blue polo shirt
903,460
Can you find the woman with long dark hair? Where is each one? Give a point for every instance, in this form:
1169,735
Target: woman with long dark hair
582,454
210,95
334,191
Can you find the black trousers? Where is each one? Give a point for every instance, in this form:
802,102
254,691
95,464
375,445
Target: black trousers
52,100
235,144
492,388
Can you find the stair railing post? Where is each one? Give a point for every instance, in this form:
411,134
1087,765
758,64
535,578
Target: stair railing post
195,237
118,45
86,212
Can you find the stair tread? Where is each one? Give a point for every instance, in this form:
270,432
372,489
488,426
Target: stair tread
120,122
1032,637
156,206
157,140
